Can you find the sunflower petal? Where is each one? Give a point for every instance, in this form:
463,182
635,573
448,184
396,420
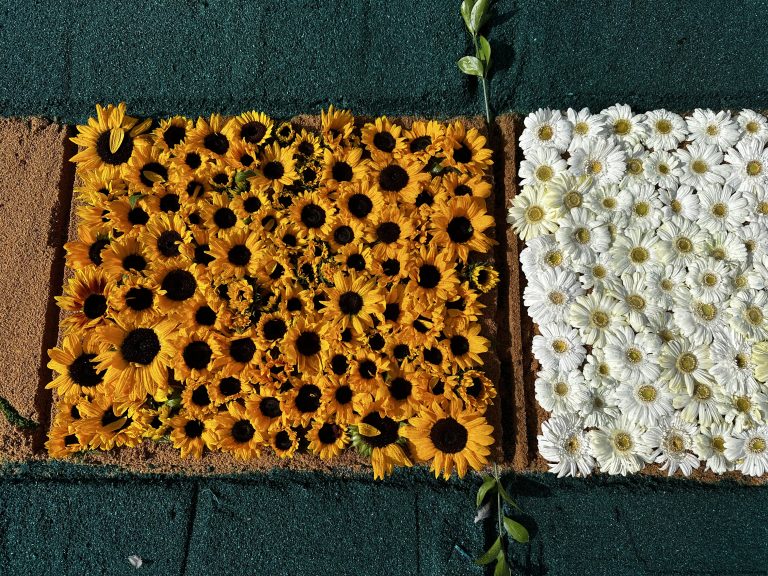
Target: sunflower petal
116,136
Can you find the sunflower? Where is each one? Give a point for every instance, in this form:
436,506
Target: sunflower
307,145
285,132
160,423
432,275
465,150
450,438
463,308
76,365
206,312
137,359
241,157
251,128
476,390
355,301
197,352
170,133
145,169
432,195
383,139
456,184
195,399
368,371
277,168
336,126
238,355
249,204
164,236
466,346
227,388
303,403
459,227
327,439
134,301
108,141
235,254
209,135
484,277
97,218
217,175
63,440
354,258
266,408
191,435
400,351
284,442
403,392
313,213
219,216
178,287
343,166
107,424
360,201
131,216
344,231
86,297
169,201
394,310
391,230
424,140
237,433
341,401
274,269
394,267
421,325
97,187
289,236
185,166
399,179
126,255
378,436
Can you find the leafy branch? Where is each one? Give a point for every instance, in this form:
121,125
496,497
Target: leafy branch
476,15
506,526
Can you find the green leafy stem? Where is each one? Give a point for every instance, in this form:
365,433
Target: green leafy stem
476,15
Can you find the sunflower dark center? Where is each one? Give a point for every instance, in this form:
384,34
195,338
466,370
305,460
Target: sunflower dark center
229,386
400,388
71,440
251,204
239,255
274,329
308,343
342,172
376,342
242,350
94,251
460,229
463,154
433,355
197,354
449,436
137,216
350,303
205,316
420,143
224,218
384,141
387,427
343,395
283,440
393,178
368,369
360,205
200,396
141,346
294,304
134,262
475,388
83,371
312,216
462,190
168,243
328,433
109,417
193,160
391,267
270,407
139,298
243,431
308,398
388,232
429,276
253,132
343,235
424,199
202,256
401,351
459,345
193,429
356,262
170,203
120,156
216,142
339,364
392,311
273,170
152,168
179,285
174,135
94,306
306,148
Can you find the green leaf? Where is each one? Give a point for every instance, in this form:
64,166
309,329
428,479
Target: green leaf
502,568
485,51
488,486
517,531
507,498
133,198
478,16
174,402
471,65
491,554
466,11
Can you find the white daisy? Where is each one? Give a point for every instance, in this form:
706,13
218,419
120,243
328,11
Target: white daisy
757,207
582,237
558,347
664,327
681,201
602,160
732,363
749,314
586,126
549,295
709,280
633,251
634,301
532,212
633,355
683,364
710,447
702,164
541,166
565,446
744,278
749,165
726,246
595,316
598,410
753,125
721,208
663,169
713,128
620,447
568,192
545,128
598,372
760,361
674,440
680,241
543,253
598,274
643,402
755,234
606,202
665,284
749,450
560,392
744,411
701,405
700,321
625,125
665,129
644,206
636,157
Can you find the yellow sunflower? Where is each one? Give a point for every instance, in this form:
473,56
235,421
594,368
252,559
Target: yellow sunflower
170,133
76,365
424,140
459,227
484,277
228,388
383,138
465,150
466,346
238,355
345,231
235,254
241,156
219,216
392,231
399,179
86,297
284,442
313,213
336,125
237,433
195,399
341,402
476,390
327,439
456,184
131,216
360,201
252,128
191,435
98,187
164,236
378,436
433,275
107,425
402,394
303,403
135,301
196,354
266,408
355,301
209,135
178,287
307,145
343,166
368,371
63,440
126,255
249,204
145,168
449,439
277,168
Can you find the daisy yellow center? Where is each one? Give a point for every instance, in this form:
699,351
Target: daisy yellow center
582,235
754,315
699,166
635,166
561,388
560,346
720,210
702,391
609,203
663,126
684,245
554,258
718,253
634,355
642,208
742,361
713,130
756,445
762,208
718,444
706,312
666,284
600,319
743,404
666,335
573,444
623,442
599,271
622,126
676,443
544,173
663,169
581,128
546,132
752,127
534,214
636,302
676,206
710,279
557,298
687,363
754,168
638,254
647,393
603,369
573,199
594,166
740,281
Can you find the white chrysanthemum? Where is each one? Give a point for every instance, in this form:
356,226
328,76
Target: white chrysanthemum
606,202
558,347
760,361
731,357
749,165
624,125
595,316
745,278
620,447
701,405
633,251
636,157
749,314
754,126
602,160
599,409
721,208
699,320
532,212
582,237
543,253
568,192
713,128
749,450
560,392
565,446
549,295
755,235
680,241
709,280
598,372
702,164
633,355
664,327
726,246
643,206
679,201
757,207
673,439
586,126
665,284
710,447
665,129
743,411
634,301
541,166
643,402
663,169
545,128
683,364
